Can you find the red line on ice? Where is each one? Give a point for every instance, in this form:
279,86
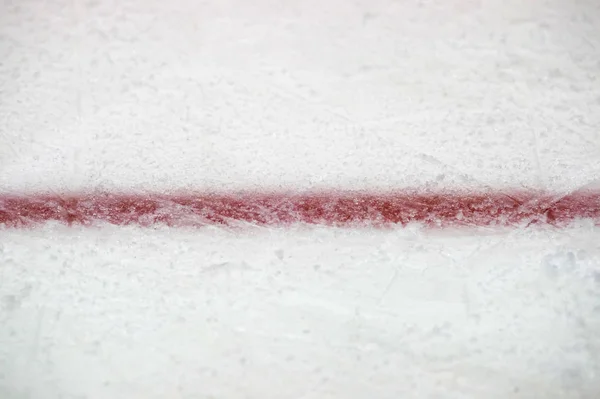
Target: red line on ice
341,208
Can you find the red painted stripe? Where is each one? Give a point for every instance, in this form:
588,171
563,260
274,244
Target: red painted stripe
343,209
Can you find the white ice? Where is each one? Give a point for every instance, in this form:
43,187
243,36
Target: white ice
157,95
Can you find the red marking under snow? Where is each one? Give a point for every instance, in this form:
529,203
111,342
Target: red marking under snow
342,209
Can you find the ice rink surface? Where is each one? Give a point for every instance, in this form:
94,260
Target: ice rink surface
152,96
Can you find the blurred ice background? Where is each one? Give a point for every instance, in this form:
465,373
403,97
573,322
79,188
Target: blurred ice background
153,95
